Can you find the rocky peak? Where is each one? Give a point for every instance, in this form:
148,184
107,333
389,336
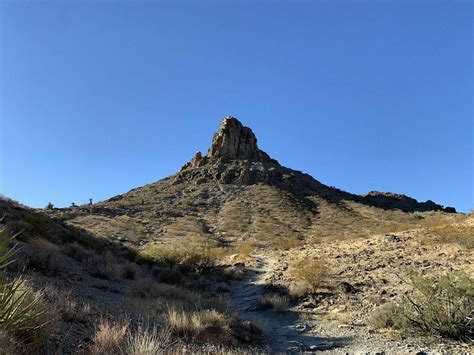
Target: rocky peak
232,141
235,141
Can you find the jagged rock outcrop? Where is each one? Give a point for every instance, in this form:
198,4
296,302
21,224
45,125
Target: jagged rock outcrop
233,141
403,202
234,158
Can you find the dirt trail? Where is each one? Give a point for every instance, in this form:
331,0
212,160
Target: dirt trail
285,332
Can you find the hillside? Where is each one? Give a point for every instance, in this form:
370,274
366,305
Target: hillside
236,253
237,193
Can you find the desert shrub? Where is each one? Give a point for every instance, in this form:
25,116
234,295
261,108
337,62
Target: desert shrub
44,255
145,287
440,306
385,316
121,205
202,259
132,271
38,224
22,310
105,266
160,256
273,300
298,290
78,252
197,258
312,272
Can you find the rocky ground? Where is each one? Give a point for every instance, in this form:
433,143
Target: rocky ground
362,275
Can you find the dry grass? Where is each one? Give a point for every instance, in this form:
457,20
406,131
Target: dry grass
65,305
275,301
312,272
200,325
244,249
148,288
287,243
448,231
108,337
147,340
119,338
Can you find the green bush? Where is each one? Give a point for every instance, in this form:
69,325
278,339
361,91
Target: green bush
442,306
160,256
199,259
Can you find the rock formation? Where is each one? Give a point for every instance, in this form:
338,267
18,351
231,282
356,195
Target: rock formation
234,158
233,141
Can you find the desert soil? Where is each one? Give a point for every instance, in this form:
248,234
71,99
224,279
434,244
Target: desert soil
339,323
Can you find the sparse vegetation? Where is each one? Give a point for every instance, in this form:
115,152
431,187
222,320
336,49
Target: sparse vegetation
244,249
299,289
22,311
44,255
200,325
273,300
147,339
287,243
312,272
109,337
441,306
194,256
105,266
160,256
448,231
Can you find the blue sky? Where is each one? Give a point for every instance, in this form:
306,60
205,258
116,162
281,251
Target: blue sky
98,97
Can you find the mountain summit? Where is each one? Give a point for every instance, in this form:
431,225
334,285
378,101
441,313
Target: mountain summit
233,141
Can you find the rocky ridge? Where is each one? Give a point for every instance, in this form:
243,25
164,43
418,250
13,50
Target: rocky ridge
234,158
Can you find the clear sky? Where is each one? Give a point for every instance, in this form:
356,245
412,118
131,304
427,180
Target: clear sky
99,97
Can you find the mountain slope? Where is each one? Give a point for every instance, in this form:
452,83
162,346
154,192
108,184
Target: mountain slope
236,193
